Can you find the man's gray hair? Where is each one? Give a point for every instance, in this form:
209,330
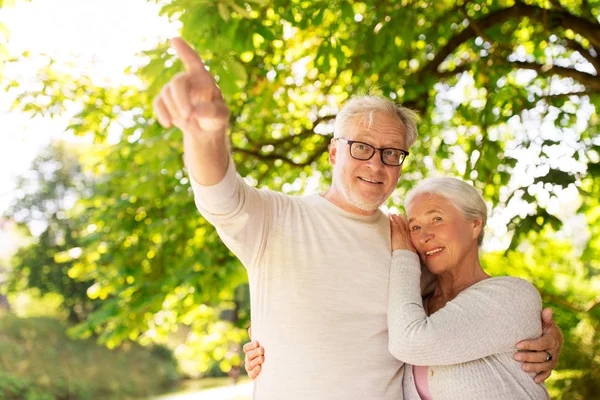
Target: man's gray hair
463,195
369,105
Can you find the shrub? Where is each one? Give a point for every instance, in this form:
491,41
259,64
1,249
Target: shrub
39,361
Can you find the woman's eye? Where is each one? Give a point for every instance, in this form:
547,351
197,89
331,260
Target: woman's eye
415,228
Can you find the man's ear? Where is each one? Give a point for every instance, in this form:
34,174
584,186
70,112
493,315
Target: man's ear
332,151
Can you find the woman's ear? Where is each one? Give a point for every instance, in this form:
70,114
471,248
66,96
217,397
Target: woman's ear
477,227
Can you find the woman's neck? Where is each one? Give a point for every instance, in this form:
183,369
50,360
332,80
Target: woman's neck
450,283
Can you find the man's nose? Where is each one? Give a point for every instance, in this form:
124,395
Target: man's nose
375,161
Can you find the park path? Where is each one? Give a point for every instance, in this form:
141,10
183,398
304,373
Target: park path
238,392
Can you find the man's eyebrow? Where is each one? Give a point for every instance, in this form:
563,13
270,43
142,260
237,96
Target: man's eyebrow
366,137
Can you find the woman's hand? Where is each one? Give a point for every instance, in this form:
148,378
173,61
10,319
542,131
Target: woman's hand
254,357
400,233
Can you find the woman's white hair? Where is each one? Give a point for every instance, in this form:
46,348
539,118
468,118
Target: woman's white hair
463,195
366,106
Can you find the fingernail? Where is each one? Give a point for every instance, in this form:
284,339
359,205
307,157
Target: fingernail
520,346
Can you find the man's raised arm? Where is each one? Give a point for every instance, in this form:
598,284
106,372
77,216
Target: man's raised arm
192,102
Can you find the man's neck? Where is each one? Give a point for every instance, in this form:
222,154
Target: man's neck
337,199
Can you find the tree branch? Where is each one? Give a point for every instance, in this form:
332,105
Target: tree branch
458,70
576,46
304,133
274,156
556,4
560,301
587,10
590,81
458,9
480,32
584,27
569,94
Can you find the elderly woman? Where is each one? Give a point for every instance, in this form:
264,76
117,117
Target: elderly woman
460,339
458,342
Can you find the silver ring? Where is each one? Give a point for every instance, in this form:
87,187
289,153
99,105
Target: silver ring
549,356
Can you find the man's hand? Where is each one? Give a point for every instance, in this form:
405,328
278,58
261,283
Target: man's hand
254,357
400,233
193,103
544,352
191,100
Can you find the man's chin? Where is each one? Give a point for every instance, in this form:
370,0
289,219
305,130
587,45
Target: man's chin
368,205
367,202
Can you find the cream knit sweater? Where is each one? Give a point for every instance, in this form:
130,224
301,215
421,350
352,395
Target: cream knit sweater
318,287
469,343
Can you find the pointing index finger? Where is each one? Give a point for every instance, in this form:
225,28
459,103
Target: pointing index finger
188,56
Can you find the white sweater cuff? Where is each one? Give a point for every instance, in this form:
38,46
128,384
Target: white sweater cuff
218,198
405,257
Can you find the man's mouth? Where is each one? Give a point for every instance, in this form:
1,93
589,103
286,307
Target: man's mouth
370,181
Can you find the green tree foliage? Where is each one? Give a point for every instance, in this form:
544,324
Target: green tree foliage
508,91
564,282
5,37
39,361
44,200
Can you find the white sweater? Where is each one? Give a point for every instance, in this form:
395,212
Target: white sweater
469,343
319,291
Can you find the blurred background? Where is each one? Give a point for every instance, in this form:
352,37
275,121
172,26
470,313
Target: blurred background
111,284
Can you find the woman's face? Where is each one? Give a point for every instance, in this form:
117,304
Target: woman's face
441,234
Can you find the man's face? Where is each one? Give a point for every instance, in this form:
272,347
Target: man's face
363,186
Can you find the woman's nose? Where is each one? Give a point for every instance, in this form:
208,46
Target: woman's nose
426,235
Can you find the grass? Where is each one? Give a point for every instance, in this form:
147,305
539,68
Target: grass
199,385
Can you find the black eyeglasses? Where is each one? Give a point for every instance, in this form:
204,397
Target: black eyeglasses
364,151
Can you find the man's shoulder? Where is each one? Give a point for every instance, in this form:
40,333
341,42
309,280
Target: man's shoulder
295,198
286,204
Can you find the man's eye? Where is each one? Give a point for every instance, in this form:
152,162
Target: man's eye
437,219
360,146
415,228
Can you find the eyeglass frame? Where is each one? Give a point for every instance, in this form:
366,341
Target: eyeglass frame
381,149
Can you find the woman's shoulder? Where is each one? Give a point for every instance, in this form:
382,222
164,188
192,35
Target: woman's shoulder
513,289
511,282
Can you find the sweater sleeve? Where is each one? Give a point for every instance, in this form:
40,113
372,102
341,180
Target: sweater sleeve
488,318
241,214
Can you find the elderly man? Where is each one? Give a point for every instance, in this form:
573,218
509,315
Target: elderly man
318,266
